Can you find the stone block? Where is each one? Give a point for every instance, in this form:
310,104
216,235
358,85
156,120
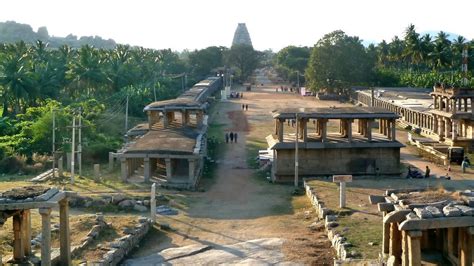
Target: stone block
470,201
140,208
451,211
423,213
465,210
374,199
435,212
412,216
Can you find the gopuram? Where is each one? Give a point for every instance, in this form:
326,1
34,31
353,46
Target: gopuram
17,204
335,141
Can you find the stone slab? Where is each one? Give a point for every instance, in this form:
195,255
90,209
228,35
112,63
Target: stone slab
374,199
434,223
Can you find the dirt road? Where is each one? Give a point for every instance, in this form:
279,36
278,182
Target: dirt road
239,206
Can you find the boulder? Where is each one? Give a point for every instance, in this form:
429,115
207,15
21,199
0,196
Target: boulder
117,198
140,208
127,204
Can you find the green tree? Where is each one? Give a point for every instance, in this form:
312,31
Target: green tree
338,61
291,61
244,58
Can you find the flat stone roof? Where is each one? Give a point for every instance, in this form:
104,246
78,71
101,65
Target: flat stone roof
168,140
354,112
30,197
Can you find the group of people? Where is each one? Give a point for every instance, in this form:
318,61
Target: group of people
231,136
245,107
285,89
236,95
416,174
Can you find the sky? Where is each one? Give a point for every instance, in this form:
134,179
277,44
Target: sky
197,24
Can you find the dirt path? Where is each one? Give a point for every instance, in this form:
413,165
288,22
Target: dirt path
238,206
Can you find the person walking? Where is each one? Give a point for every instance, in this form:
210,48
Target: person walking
226,137
246,107
235,137
243,106
427,172
464,165
241,95
231,136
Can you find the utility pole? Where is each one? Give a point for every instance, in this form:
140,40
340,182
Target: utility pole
79,146
154,86
126,117
72,147
54,139
298,79
185,80
296,152
182,82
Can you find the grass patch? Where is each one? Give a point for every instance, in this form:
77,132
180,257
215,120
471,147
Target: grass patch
253,146
360,233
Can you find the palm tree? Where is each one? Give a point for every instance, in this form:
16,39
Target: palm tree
441,55
413,52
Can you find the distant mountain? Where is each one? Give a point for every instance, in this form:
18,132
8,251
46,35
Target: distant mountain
11,32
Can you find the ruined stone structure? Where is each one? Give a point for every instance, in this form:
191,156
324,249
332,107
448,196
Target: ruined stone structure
241,35
321,152
417,232
447,117
172,145
17,203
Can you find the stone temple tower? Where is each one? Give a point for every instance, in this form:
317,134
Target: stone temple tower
241,35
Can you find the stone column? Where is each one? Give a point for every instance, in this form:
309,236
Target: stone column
146,169
465,104
183,118
448,106
26,232
455,129
166,122
18,249
414,248
111,161
280,130
369,129
64,233
386,237
460,104
192,167
453,106
168,168
435,102
389,129
440,105
447,127
435,125
349,129
405,251
380,126
45,236
393,127
60,166
472,105
324,130
395,243
466,246
304,125
123,169
441,129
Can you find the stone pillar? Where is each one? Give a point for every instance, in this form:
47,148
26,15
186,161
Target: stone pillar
448,106
435,125
124,169
395,243
192,167
68,161
45,236
146,169
465,104
389,129
440,105
405,250
60,166
111,161
324,130
18,249
435,102
393,127
455,130
380,126
447,131
168,168
385,127
304,124
386,237
453,106
369,129
414,248
96,172
26,232
472,105
165,119
460,104
64,233
183,118
466,246
349,130
280,129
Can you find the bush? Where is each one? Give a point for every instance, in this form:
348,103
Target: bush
12,165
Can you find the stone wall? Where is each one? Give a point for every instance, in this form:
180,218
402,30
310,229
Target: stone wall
122,246
354,161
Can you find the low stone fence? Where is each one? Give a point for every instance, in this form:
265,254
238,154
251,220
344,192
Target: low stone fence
338,241
122,246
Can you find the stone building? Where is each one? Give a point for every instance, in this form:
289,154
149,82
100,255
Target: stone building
427,227
447,116
241,35
353,147
171,147
18,203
